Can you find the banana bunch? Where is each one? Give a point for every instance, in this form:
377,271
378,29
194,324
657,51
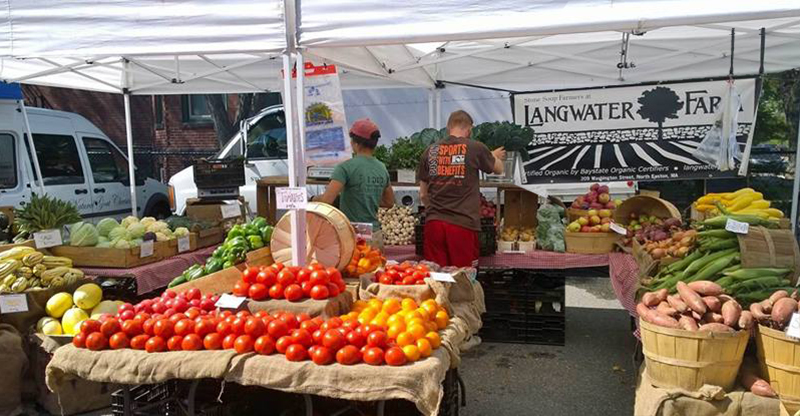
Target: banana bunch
24,268
743,201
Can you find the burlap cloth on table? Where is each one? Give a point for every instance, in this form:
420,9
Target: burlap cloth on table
708,401
14,363
327,308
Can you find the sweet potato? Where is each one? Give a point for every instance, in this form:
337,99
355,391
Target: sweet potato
782,310
651,299
692,299
731,312
715,327
746,320
724,298
657,318
641,310
780,294
766,305
758,312
749,378
706,288
677,303
712,318
697,317
687,323
664,308
713,303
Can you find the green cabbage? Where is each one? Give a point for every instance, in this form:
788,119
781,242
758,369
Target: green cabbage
136,230
118,233
123,244
105,244
83,234
128,221
101,239
106,225
136,242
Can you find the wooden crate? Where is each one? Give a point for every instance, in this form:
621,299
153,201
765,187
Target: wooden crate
215,283
779,358
111,257
590,243
210,237
762,247
209,211
260,257
172,247
688,359
520,207
26,243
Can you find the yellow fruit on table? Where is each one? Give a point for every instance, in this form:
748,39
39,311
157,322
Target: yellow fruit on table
424,346
360,305
412,352
408,304
106,306
71,321
375,303
391,306
58,304
441,319
431,326
412,315
423,313
52,327
42,321
380,319
396,330
417,331
87,296
430,306
395,319
434,339
405,338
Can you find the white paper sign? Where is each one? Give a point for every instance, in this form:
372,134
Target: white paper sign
47,238
13,303
513,252
618,228
184,244
291,198
146,249
793,329
228,301
737,227
406,176
363,230
230,210
443,277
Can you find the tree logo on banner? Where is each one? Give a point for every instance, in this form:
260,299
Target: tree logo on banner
658,105
318,114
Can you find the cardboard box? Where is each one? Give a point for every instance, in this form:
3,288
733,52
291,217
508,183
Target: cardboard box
260,257
111,257
210,237
210,211
519,208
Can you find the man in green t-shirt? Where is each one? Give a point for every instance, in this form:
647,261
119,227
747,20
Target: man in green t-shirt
362,183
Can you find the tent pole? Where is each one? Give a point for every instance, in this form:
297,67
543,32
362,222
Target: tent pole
299,155
438,109
129,140
34,155
291,144
796,188
431,110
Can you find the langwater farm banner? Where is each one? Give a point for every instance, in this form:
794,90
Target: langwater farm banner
639,133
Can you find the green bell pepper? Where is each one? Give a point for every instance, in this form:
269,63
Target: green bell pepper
266,234
218,252
255,242
177,281
259,222
194,272
214,265
251,229
236,231
227,264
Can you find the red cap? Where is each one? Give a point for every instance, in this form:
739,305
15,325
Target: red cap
364,128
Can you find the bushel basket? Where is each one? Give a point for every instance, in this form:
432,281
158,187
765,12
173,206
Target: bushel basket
779,359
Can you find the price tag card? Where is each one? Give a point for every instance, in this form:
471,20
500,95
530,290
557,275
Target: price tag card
13,303
618,228
443,277
146,249
513,252
184,244
291,198
363,230
228,301
737,227
406,176
47,238
230,210
793,329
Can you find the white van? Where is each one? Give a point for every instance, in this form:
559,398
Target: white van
79,163
265,155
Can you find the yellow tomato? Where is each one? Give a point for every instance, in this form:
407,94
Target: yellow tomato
424,346
405,338
415,321
412,352
395,319
441,319
412,315
434,339
430,306
380,319
392,306
360,305
423,313
431,326
375,303
408,304
395,330
364,263
418,331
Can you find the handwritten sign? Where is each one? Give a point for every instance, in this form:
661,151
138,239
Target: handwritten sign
443,277
406,176
793,329
513,252
618,228
146,249
363,230
13,303
47,238
230,210
737,227
184,244
227,301
291,198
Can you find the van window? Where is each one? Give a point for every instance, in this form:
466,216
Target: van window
58,159
8,162
267,138
106,162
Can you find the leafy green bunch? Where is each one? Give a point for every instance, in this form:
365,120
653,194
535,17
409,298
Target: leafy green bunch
512,137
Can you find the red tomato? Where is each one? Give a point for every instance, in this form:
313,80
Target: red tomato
181,305
147,327
243,344
243,314
334,274
204,327
296,352
277,329
228,341
237,327
249,274
290,319
302,337
258,291
333,339
348,355
316,266
174,343
192,312
90,325
306,286
302,317
276,291
408,280
373,356
223,328
277,266
208,304
192,342
126,315
322,356
241,288
264,345
175,318
184,327
254,327
132,327
285,278
283,343
118,340
164,328
395,356
377,339
309,325
351,325
386,279
320,292
319,277
79,340
125,307
212,341
333,289
293,293
155,344
303,275
317,336
169,294
267,277
368,329
138,342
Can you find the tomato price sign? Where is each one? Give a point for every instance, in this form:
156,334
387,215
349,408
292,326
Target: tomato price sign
291,198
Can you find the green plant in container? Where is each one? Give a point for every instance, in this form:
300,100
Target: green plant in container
512,137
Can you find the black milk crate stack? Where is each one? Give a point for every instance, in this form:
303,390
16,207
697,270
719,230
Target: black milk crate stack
487,237
523,306
148,399
219,173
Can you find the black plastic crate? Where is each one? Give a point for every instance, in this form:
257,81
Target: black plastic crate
219,173
148,399
523,329
487,238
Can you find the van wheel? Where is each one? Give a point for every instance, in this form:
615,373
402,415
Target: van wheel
159,211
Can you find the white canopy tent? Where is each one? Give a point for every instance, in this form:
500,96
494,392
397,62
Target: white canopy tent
206,46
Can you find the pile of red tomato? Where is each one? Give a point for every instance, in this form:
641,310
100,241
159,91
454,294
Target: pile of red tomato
403,274
290,282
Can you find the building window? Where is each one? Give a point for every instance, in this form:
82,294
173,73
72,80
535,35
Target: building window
158,107
195,108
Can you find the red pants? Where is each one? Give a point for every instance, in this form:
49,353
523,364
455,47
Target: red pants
450,245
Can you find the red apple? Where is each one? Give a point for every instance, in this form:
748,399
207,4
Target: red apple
603,198
603,189
595,186
586,229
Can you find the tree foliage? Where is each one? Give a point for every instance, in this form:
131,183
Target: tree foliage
248,105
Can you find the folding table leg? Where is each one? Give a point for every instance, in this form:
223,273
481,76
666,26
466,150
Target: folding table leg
309,405
191,397
126,400
381,407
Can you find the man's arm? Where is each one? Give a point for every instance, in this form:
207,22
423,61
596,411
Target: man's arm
331,192
387,199
423,193
499,160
